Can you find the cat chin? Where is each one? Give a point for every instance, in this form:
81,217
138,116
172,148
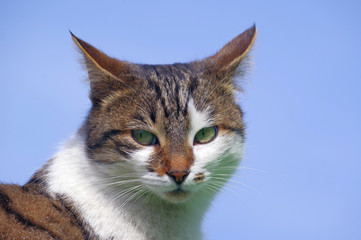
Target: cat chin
177,196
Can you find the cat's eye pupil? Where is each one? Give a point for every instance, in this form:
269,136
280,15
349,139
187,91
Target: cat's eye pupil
205,135
144,137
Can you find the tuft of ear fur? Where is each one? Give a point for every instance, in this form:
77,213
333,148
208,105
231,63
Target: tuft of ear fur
225,63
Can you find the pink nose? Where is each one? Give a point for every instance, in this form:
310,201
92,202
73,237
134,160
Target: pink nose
178,176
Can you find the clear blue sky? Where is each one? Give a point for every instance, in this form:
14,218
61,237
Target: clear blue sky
302,99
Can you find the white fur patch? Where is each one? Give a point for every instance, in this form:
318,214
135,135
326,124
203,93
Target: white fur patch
72,174
199,120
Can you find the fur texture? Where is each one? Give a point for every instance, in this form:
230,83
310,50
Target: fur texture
105,184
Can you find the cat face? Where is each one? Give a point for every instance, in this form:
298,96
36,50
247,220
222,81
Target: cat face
169,131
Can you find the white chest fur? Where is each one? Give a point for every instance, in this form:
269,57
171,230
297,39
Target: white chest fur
73,175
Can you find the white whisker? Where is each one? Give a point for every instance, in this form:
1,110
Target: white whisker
227,188
240,168
139,191
254,192
126,191
123,182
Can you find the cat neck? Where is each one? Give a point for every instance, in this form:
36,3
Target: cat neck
72,174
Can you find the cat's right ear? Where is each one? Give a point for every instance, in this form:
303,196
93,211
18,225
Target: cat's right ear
104,72
225,62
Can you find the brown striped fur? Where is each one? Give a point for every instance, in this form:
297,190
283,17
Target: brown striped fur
27,213
127,96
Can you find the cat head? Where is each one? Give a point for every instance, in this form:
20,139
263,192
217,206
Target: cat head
173,131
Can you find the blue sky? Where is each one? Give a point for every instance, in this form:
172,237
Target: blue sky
302,175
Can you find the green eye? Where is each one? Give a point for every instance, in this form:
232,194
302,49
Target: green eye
144,138
205,135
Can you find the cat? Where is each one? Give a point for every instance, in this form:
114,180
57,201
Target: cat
157,145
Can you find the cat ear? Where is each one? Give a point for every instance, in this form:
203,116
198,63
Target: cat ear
96,61
105,73
225,62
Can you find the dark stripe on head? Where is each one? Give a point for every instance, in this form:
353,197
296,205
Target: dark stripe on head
176,79
123,148
105,137
138,117
153,116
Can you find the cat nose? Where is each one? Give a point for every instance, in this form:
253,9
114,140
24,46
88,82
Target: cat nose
178,176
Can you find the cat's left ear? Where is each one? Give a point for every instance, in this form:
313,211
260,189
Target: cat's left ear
225,62
105,73
98,62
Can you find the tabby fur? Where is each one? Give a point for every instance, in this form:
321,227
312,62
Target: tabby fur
104,185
